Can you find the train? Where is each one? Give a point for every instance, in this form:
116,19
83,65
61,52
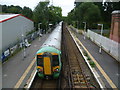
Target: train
48,57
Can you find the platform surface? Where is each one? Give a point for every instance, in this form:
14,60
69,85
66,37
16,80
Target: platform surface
14,68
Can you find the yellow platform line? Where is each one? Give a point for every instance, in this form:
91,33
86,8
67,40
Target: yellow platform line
24,74
99,67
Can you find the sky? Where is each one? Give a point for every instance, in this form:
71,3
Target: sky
66,5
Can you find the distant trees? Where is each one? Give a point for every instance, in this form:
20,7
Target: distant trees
26,11
85,12
92,13
39,13
55,14
46,14
89,13
43,13
106,9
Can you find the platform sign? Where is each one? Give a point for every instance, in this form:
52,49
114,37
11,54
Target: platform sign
7,53
2,56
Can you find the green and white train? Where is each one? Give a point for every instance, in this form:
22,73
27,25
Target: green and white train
48,57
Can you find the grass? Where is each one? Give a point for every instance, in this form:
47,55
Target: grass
88,58
92,64
85,53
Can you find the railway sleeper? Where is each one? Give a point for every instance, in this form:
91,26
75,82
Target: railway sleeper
75,67
72,58
80,84
76,73
81,80
80,87
73,62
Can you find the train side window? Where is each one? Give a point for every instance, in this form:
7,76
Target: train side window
55,60
39,60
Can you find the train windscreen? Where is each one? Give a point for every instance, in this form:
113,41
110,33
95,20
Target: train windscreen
55,60
39,60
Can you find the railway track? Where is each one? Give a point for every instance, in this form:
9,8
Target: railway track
43,83
78,72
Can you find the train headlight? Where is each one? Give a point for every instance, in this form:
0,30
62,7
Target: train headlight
40,70
56,70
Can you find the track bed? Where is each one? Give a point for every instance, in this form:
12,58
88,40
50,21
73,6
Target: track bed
75,68
43,83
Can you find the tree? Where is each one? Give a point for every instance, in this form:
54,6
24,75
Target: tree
106,9
4,8
27,12
71,16
85,12
55,14
47,14
109,7
14,9
40,14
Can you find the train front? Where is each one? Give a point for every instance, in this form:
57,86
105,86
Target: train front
49,56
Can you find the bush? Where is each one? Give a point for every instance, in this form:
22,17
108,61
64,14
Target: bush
85,53
92,64
88,58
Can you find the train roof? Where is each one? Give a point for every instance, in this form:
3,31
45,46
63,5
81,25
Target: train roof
54,40
49,49
53,43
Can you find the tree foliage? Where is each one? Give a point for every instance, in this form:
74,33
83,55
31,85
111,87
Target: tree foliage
85,12
45,14
92,13
89,13
108,8
26,11
55,14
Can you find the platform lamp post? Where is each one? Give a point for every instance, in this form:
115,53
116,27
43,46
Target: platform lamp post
39,27
100,49
24,53
23,43
39,30
50,25
84,29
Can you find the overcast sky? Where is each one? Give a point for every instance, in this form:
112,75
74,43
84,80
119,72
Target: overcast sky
66,5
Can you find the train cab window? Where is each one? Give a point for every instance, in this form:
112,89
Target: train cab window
39,60
55,60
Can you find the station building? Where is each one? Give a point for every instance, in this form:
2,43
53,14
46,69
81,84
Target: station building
13,27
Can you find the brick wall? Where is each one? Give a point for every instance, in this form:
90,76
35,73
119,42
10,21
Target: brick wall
115,26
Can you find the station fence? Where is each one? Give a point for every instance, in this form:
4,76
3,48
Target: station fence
110,46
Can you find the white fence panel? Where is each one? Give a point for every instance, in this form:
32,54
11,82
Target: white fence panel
109,45
98,39
114,49
106,43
